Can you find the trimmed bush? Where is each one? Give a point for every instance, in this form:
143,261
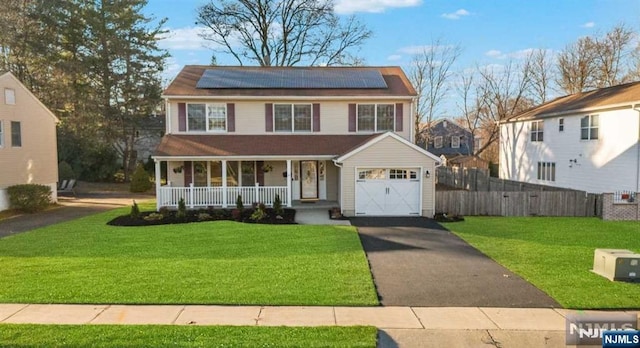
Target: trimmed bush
29,198
65,172
239,204
181,214
140,181
277,205
135,211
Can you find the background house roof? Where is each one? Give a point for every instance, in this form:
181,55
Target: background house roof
226,145
186,83
599,98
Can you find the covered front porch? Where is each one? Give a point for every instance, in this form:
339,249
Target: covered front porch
216,182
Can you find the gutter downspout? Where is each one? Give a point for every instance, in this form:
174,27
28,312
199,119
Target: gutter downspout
637,108
339,165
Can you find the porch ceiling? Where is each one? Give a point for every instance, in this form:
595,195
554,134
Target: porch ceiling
227,145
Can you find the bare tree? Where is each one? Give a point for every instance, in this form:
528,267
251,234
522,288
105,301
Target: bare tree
282,32
471,106
577,66
429,74
541,70
612,53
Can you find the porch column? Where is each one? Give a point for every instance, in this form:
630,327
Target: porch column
158,183
224,184
289,183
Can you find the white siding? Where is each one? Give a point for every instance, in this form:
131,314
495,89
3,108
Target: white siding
608,164
334,115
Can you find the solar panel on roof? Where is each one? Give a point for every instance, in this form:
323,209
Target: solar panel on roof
346,78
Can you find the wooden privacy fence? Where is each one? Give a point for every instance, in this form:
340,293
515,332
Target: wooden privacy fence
511,203
477,179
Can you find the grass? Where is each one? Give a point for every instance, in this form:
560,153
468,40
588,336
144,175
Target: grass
86,261
183,336
556,255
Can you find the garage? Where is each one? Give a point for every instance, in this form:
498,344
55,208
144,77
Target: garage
388,192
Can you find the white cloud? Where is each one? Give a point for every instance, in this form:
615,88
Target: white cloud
184,39
394,57
589,25
520,54
495,54
372,6
456,15
419,49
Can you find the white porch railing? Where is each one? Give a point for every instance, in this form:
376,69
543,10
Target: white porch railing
214,196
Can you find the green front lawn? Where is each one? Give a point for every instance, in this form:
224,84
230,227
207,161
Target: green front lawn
86,261
34,336
556,255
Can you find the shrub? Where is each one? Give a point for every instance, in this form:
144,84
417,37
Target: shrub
29,198
277,205
239,204
182,210
260,213
204,217
154,217
65,172
164,211
135,211
140,180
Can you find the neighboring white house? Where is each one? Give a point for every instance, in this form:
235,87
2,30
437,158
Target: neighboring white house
340,135
28,149
586,141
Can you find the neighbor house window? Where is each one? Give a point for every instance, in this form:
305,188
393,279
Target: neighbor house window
455,142
547,171
537,130
207,117
589,127
1,134
437,142
292,117
376,117
9,96
16,134
561,125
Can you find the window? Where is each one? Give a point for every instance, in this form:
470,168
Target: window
9,96
437,142
292,117
200,174
1,134
455,142
561,125
589,127
376,117
207,117
16,134
248,173
547,171
537,130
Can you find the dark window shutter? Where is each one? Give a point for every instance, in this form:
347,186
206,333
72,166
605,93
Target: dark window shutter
188,173
316,117
182,117
399,117
231,117
260,173
268,117
352,117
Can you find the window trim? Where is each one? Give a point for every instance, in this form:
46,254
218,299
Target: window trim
12,135
11,97
590,127
457,137
546,171
538,133
561,124
206,118
293,118
375,118
438,142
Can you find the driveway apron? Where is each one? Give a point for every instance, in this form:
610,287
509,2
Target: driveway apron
417,262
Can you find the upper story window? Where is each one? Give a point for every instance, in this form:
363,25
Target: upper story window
561,125
292,117
376,117
437,142
537,130
206,117
1,134
455,142
9,96
16,134
589,127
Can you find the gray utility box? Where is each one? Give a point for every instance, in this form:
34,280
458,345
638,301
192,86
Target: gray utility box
617,264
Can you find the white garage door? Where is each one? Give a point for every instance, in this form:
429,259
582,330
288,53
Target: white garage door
388,191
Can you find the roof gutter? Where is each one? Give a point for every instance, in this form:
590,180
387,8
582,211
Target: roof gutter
271,97
633,104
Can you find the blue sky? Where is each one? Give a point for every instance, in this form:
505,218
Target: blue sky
488,31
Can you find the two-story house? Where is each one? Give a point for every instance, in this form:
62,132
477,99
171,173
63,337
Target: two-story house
340,134
28,149
586,141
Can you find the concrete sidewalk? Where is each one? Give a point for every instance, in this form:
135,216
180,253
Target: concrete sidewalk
400,326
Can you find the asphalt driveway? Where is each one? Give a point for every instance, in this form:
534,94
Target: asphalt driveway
416,262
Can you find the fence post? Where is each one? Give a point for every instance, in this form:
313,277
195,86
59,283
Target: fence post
191,196
257,193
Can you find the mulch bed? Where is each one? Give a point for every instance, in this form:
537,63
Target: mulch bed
201,215
442,217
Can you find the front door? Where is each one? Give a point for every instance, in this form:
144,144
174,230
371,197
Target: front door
309,179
